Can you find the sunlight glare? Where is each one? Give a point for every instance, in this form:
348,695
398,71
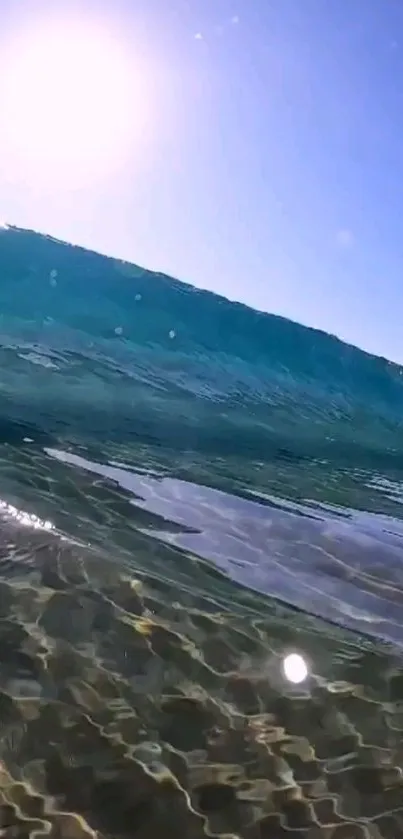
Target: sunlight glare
72,103
295,668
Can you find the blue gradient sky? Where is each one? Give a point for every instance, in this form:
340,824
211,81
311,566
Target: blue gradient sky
274,172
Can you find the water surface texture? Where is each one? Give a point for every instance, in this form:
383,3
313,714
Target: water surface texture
190,490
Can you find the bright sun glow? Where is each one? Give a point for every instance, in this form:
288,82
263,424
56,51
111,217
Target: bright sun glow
295,668
72,103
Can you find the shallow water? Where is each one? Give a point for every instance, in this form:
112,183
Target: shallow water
190,491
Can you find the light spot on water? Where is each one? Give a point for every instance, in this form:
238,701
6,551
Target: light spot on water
28,440
172,333
295,668
26,519
118,330
137,297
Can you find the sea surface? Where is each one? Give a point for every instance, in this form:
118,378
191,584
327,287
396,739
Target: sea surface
191,490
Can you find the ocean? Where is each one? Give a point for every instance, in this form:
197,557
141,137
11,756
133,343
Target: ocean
192,490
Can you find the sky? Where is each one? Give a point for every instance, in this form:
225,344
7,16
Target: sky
249,147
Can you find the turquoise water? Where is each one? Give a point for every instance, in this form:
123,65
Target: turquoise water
189,489
270,447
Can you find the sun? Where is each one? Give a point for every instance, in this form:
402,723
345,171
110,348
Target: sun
72,106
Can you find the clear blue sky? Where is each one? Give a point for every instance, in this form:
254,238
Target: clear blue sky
273,168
